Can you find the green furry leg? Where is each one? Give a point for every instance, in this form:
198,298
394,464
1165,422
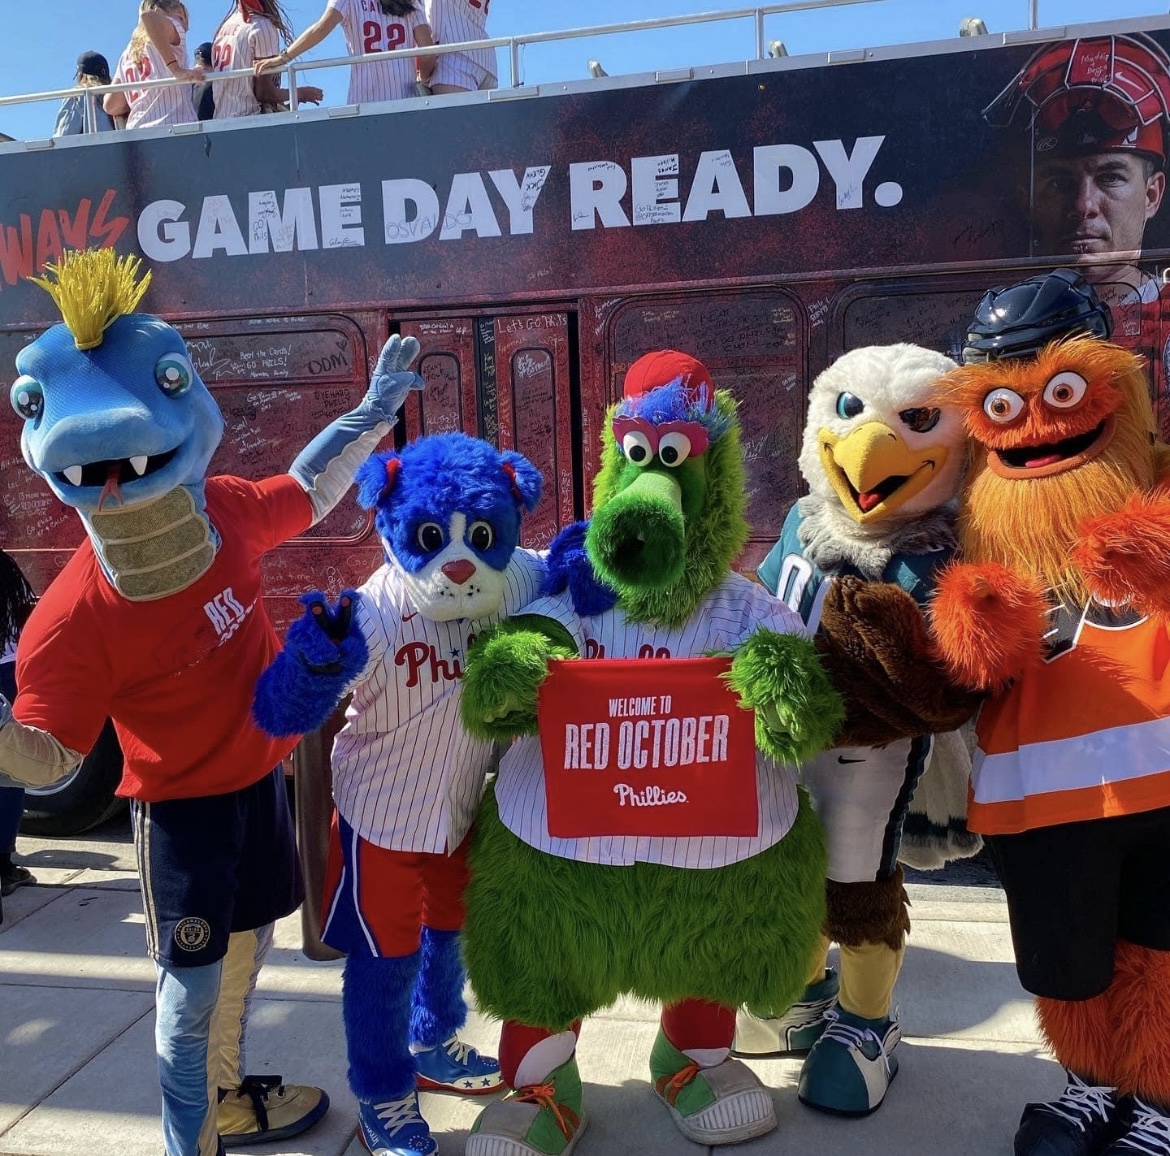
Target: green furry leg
549,940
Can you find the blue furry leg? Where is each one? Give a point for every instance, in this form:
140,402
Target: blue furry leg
438,1009
375,1004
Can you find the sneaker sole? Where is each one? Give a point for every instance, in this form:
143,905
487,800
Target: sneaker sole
731,1133
423,1084
778,1054
364,1143
480,1145
843,1112
244,1139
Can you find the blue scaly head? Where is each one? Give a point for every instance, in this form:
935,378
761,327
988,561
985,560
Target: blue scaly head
115,414
448,513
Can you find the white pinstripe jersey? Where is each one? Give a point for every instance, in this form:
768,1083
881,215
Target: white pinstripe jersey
723,620
458,21
406,775
156,106
368,29
238,42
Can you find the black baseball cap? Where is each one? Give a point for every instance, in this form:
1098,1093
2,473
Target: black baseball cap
203,52
93,64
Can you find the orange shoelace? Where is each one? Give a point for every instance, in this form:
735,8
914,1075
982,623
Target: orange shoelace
670,1086
545,1095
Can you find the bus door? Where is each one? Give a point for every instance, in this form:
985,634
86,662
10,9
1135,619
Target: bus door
754,342
507,378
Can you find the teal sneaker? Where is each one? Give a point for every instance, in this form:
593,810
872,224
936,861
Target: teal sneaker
720,1105
793,1033
536,1120
851,1065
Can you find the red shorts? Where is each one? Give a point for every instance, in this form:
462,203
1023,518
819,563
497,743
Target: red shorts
376,901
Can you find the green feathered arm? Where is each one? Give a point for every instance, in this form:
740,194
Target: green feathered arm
780,677
505,667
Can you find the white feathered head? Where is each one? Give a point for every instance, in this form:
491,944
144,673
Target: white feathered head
878,438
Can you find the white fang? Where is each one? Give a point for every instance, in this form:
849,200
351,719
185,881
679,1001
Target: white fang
139,464
73,473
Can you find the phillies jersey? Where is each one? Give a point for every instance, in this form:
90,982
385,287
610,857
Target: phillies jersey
176,674
406,775
459,22
725,618
240,40
1084,734
152,107
368,29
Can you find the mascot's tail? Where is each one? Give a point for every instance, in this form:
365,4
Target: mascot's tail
935,831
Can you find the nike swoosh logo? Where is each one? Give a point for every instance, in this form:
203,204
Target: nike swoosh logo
843,759
408,617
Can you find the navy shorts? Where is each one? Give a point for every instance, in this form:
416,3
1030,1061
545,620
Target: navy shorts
213,865
1074,889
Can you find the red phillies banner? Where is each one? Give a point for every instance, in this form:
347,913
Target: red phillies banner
646,746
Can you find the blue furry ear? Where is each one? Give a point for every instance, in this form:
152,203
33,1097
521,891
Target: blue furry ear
524,477
375,479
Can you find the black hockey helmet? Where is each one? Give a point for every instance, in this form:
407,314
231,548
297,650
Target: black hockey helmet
1019,320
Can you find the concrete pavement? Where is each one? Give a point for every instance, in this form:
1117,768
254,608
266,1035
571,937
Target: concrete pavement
77,1060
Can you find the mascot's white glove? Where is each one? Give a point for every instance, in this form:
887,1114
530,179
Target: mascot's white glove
325,467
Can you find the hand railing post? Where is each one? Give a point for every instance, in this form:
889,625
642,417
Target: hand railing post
514,59
759,34
292,86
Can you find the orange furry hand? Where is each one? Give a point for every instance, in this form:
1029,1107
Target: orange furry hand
987,622
1125,556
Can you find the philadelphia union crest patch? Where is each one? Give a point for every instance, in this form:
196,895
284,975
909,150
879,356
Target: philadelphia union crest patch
192,933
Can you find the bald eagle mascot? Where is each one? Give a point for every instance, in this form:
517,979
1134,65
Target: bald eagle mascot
883,458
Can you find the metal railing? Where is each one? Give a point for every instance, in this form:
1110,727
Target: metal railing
514,44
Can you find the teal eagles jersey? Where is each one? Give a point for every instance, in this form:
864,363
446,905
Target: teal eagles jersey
801,584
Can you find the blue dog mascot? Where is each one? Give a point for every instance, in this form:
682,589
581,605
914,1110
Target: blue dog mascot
157,621
407,778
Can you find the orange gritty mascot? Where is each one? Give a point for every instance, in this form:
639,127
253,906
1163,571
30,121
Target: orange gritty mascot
1060,609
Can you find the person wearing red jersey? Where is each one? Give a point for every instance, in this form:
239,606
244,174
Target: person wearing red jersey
158,622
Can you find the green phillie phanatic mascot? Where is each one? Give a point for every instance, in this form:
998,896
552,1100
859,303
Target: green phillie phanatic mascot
883,455
566,910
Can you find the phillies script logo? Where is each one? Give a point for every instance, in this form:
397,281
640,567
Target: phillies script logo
677,758
418,656
26,248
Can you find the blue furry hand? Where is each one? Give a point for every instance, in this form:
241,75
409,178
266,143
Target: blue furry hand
323,653
780,677
391,380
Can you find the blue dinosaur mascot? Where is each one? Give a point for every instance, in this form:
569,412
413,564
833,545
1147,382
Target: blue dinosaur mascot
407,778
157,621
560,926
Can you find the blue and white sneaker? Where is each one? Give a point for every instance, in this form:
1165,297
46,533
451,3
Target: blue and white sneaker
395,1128
850,1067
457,1067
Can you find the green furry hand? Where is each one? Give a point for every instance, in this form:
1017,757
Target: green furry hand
505,669
780,677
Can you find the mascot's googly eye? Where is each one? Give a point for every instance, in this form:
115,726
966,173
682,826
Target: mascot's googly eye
430,536
1065,390
1003,405
921,419
480,536
28,399
636,446
174,373
849,405
674,449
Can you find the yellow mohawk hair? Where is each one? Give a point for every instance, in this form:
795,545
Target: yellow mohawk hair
92,289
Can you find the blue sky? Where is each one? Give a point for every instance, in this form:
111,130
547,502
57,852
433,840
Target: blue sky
35,57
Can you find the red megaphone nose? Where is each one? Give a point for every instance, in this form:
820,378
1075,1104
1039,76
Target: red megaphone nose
459,570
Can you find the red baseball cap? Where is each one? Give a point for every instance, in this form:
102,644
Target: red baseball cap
661,368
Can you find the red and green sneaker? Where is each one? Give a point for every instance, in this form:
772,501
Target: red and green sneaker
720,1105
535,1120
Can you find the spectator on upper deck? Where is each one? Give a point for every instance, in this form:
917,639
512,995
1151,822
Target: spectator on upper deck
456,22
157,49
251,31
203,94
369,26
80,113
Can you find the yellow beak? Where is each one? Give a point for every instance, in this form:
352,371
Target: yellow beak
874,471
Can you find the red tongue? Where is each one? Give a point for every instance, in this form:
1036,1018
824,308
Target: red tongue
1045,460
868,500
110,489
